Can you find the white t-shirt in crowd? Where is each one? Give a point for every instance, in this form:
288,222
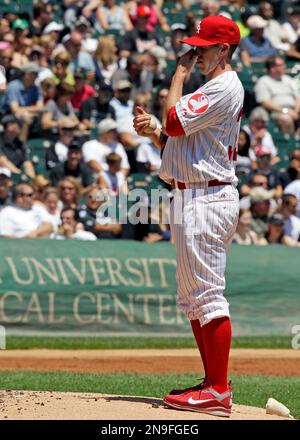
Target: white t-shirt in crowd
95,150
18,222
147,152
294,188
292,227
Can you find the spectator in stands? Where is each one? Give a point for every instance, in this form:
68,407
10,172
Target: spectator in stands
140,78
15,154
113,179
95,151
256,179
57,152
70,228
50,200
277,93
259,135
273,31
244,162
69,192
175,47
275,233
73,166
156,17
61,72
22,219
148,158
288,210
294,189
48,89
53,29
98,107
40,183
79,57
121,102
112,16
243,234
260,209
21,42
58,108
264,166
292,26
6,58
23,98
256,48
42,16
210,7
95,219
106,58
5,187
159,101
82,90
293,171
139,39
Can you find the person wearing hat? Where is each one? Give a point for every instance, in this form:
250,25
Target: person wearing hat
275,233
277,92
23,98
82,90
259,135
5,186
255,48
121,102
140,77
260,206
15,154
156,16
58,151
72,166
95,151
140,38
98,107
199,151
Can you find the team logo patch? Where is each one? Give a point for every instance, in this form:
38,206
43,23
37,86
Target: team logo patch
198,28
198,103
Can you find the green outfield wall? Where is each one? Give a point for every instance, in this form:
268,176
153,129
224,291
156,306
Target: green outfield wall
120,287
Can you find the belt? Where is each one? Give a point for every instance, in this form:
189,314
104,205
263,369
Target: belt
182,185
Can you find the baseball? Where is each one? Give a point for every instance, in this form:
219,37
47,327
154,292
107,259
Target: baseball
151,127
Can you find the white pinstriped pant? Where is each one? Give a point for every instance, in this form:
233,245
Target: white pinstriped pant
209,219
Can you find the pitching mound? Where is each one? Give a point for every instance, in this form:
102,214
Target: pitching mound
15,405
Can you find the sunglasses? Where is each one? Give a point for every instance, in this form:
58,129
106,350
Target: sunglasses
26,194
62,63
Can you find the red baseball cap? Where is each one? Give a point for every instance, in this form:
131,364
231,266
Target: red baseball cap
214,29
143,11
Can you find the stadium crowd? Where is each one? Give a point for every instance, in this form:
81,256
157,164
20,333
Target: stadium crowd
71,76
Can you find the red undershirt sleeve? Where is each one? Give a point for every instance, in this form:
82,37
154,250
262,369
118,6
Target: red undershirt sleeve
173,124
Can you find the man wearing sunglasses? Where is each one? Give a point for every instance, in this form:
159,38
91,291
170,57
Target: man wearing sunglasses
23,218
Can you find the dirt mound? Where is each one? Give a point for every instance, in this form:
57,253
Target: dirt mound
37,405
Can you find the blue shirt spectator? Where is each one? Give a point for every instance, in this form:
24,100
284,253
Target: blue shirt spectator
255,47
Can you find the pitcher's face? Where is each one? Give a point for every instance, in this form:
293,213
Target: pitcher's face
208,57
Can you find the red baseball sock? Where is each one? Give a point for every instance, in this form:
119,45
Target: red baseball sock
216,337
196,327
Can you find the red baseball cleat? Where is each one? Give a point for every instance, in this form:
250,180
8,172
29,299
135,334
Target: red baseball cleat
206,400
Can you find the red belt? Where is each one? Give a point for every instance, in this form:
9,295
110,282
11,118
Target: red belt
182,185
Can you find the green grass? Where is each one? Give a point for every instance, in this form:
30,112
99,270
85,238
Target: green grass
18,342
248,390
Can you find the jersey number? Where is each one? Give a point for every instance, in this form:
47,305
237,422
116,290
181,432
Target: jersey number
232,153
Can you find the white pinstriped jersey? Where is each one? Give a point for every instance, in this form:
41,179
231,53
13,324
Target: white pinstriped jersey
210,118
